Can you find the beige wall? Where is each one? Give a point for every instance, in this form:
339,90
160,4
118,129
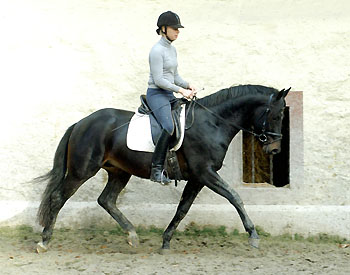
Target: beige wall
61,60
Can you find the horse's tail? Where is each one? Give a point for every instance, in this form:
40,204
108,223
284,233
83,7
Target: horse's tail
55,178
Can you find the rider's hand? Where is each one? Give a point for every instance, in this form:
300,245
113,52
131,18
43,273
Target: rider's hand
186,93
193,89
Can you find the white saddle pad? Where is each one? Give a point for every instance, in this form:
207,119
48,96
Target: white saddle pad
139,137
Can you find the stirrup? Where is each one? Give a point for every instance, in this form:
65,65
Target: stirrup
160,175
164,175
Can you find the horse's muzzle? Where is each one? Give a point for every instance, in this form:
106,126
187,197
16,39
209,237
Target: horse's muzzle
273,147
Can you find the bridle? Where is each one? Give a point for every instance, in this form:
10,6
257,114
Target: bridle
261,136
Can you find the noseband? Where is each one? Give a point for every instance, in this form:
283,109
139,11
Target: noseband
261,136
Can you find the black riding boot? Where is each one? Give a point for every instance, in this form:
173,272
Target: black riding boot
158,159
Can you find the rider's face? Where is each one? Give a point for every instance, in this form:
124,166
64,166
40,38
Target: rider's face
172,33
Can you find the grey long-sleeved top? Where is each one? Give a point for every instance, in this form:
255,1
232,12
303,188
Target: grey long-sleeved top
163,67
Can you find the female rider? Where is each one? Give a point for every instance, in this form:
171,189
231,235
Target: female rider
164,80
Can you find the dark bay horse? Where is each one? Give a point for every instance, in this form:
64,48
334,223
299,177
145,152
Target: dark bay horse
99,141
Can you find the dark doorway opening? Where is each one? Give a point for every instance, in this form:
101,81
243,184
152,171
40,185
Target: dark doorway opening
258,167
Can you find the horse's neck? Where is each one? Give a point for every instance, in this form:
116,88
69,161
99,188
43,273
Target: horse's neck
239,111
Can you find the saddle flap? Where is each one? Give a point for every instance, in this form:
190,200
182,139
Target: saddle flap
176,107
140,136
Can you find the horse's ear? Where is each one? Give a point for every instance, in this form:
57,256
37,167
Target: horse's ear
280,95
287,91
283,93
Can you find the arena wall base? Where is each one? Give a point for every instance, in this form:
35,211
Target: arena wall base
306,220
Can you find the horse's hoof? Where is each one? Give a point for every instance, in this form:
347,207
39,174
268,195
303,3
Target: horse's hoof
133,239
41,248
164,251
254,242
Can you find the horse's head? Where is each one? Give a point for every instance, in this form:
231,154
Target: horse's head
268,122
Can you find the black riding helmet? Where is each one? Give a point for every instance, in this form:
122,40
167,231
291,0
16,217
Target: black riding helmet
168,19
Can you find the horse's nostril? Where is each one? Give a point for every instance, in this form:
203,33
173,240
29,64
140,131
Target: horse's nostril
275,151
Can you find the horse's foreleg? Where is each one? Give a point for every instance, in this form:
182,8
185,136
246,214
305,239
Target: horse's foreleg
117,180
190,192
218,185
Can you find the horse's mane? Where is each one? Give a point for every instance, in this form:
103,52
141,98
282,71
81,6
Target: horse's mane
235,92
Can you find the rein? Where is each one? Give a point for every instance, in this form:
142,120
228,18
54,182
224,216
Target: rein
262,136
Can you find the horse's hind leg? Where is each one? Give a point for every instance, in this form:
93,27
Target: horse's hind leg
189,194
117,180
52,205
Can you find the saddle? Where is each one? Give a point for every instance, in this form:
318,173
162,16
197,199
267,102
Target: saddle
156,127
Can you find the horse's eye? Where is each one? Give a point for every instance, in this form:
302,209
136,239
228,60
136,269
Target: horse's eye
277,118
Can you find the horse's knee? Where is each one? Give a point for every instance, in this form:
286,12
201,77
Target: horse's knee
235,197
238,200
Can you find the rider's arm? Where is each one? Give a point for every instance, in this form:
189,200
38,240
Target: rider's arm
179,81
